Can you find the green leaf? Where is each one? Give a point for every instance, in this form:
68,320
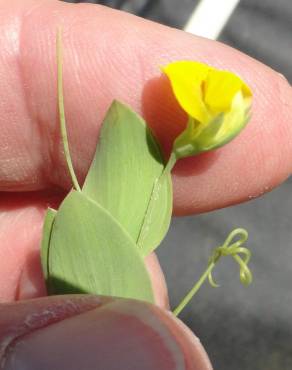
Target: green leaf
121,178
91,253
46,237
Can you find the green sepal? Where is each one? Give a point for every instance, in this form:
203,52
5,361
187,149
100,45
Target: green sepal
194,140
91,253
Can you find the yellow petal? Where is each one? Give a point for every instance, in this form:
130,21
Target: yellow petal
186,78
220,89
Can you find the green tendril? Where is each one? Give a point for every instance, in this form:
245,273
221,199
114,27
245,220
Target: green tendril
62,111
231,247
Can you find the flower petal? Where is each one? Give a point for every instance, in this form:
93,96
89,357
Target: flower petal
187,78
220,89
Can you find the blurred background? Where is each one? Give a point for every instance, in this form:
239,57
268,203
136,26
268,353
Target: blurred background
241,328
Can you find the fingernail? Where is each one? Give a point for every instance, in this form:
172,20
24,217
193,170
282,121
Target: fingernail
119,335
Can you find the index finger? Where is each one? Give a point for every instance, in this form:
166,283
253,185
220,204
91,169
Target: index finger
112,55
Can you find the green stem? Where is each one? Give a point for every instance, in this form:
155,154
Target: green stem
194,290
62,112
169,165
154,195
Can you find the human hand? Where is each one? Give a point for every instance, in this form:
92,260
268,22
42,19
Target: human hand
108,55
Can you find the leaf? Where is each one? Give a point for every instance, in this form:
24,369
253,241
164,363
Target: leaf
46,236
91,253
126,165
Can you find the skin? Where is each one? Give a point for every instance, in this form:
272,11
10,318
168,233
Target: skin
107,55
95,333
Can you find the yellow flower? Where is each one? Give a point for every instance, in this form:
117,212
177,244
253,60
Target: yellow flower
217,102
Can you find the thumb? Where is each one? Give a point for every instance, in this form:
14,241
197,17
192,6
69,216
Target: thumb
113,55
101,333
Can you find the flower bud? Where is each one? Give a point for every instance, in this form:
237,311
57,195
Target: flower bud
217,103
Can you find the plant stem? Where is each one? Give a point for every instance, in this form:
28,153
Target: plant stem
194,290
154,196
169,165
62,112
